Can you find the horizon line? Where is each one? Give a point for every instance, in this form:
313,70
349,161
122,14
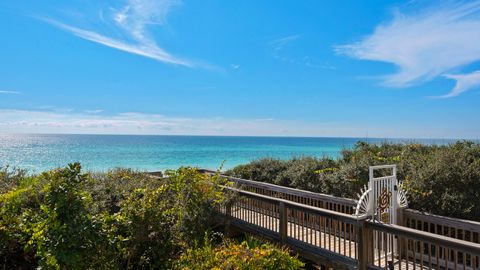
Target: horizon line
246,136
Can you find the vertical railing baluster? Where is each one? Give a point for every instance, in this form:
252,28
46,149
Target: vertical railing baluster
445,249
360,239
437,255
334,234
316,235
421,253
429,256
407,257
329,234
283,222
344,239
322,224
385,247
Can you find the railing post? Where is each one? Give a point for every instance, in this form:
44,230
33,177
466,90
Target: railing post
365,245
228,217
283,230
401,246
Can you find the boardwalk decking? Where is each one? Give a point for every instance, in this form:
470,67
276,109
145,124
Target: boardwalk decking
324,230
314,236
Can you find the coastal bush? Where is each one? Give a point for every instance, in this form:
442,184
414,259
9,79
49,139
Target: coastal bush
447,182
441,179
264,170
10,178
18,212
297,172
153,226
113,187
118,220
230,255
50,221
302,173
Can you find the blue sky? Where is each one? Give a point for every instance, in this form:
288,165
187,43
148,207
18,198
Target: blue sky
283,68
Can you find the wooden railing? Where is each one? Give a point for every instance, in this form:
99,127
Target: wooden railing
345,241
418,249
318,234
337,204
324,229
466,230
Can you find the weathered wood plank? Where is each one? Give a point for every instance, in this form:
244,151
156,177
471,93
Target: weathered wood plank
303,207
427,237
293,191
456,223
301,232
295,219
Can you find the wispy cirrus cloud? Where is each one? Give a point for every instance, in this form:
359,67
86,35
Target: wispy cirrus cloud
282,51
425,44
9,92
124,123
464,83
130,32
279,45
41,121
94,111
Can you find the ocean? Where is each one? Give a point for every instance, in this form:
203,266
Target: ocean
36,153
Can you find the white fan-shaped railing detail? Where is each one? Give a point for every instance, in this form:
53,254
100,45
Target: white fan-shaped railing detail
402,198
363,202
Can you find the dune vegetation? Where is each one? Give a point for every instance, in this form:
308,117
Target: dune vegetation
443,179
122,219
125,219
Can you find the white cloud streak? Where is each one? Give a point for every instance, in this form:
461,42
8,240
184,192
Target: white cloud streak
9,92
133,20
28,121
464,83
281,51
31,121
280,43
94,111
424,45
38,121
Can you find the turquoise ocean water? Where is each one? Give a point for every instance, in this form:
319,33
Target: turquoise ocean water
101,152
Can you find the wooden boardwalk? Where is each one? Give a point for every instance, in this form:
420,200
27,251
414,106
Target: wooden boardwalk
322,228
341,244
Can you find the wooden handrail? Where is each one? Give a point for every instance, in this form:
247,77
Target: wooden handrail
262,208
432,238
293,191
291,220
463,224
300,226
294,205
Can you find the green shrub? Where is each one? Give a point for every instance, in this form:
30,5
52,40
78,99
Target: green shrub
447,182
18,213
112,188
67,232
439,179
10,178
153,226
238,256
119,220
50,220
302,173
264,170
